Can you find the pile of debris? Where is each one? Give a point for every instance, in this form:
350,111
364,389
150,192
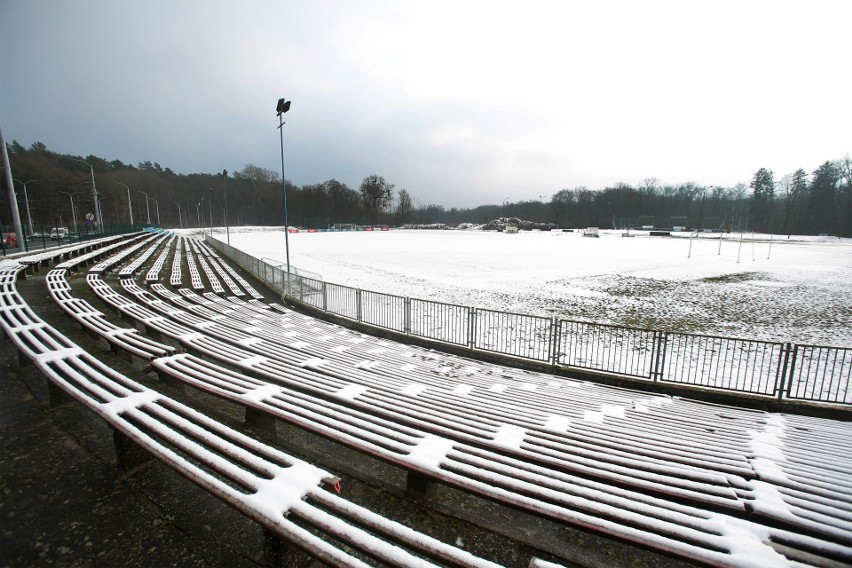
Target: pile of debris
503,222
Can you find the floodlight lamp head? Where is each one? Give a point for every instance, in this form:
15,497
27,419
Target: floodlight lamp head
283,106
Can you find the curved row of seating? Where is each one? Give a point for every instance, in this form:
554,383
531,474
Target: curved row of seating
679,475
287,496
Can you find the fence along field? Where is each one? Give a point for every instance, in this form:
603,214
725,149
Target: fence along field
781,370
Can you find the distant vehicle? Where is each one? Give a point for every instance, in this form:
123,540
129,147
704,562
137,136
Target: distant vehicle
59,232
38,235
10,240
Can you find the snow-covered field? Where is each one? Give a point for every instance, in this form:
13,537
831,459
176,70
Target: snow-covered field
801,293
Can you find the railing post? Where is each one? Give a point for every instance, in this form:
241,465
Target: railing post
781,379
471,327
660,344
406,303
324,298
553,348
791,368
358,302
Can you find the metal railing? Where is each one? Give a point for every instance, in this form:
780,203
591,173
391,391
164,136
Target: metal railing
765,368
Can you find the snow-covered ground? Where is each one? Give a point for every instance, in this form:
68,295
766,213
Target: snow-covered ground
801,293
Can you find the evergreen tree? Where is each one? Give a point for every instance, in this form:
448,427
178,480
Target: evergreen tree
763,192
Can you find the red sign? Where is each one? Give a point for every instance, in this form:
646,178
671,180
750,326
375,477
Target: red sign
292,230
368,228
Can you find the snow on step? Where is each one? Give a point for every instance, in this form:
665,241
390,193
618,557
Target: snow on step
463,389
366,364
249,341
299,345
654,402
376,351
408,368
509,436
252,361
313,363
767,449
263,392
413,390
606,410
339,349
430,452
556,423
497,388
349,392
529,387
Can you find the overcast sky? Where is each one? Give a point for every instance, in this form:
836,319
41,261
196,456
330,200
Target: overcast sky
460,102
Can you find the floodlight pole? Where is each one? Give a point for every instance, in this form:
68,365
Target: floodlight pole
73,211
27,202
225,190
147,208
157,203
282,107
129,206
210,209
180,217
98,217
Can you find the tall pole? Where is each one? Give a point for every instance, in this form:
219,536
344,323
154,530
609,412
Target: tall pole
225,190
94,193
73,210
210,208
157,203
180,217
27,202
13,201
129,205
147,208
198,211
284,106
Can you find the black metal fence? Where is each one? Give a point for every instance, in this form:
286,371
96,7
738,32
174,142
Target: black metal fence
766,368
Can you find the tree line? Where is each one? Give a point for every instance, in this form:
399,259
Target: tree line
49,182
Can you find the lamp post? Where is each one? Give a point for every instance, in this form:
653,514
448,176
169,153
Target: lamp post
147,209
225,190
157,203
73,211
27,202
198,211
7,176
129,206
282,107
94,192
180,217
210,208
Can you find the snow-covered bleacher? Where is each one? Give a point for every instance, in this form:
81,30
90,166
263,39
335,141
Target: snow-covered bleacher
287,496
683,476
716,484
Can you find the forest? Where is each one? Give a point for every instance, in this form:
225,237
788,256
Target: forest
55,189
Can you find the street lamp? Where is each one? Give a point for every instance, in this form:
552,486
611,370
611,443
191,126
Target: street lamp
73,211
282,107
147,209
27,202
94,192
129,206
